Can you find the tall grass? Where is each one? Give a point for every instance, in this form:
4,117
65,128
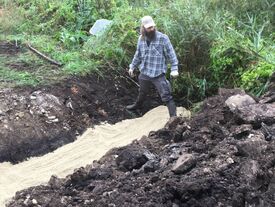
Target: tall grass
219,43
10,18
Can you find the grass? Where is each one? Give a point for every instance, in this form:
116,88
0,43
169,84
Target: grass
211,38
26,68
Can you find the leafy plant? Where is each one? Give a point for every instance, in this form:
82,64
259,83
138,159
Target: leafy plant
255,80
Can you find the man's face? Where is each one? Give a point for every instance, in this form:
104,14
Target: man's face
150,32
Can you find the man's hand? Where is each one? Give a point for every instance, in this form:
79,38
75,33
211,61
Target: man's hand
131,72
174,73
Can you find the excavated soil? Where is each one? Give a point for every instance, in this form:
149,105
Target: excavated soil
92,145
223,156
38,120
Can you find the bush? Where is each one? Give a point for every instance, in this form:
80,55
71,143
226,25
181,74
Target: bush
256,78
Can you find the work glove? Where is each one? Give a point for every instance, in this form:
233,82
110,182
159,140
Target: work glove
131,72
174,74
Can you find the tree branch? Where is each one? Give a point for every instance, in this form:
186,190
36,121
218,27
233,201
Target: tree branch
44,56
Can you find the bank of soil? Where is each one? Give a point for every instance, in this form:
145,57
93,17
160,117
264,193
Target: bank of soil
223,156
38,120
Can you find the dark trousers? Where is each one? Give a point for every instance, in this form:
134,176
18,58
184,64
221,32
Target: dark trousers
163,87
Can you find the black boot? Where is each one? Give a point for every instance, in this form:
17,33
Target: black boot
143,90
172,108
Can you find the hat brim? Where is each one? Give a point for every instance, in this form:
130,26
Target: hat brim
149,25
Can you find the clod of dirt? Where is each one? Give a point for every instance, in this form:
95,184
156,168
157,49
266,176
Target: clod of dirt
184,163
131,158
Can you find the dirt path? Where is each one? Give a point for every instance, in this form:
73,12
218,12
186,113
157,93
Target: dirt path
91,146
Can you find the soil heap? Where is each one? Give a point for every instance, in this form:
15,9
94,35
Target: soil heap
223,156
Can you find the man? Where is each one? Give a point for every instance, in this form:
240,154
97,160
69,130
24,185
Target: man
154,49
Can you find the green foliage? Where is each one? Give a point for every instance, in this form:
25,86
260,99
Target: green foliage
75,60
18,77
236,51
219,43
255,80
10,18
190,88
52,15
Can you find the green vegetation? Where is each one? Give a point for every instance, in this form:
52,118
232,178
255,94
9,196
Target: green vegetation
219,43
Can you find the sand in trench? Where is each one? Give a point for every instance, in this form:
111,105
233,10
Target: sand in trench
92,145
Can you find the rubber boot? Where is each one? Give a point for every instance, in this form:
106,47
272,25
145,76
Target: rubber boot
143,90
172,108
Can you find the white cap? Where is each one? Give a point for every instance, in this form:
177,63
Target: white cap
147,22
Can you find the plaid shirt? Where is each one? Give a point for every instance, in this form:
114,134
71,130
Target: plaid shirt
152,59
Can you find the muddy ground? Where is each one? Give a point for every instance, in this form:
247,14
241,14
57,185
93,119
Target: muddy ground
223,156
37,120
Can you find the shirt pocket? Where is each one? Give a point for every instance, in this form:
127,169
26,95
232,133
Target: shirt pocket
156,50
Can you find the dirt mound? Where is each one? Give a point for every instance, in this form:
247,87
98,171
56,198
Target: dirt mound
92,145
223,156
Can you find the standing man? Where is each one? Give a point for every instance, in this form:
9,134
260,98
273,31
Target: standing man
154,50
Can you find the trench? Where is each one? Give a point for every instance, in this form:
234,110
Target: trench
92,145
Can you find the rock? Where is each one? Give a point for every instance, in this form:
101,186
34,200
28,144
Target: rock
253,146
241,131
51,117
249,171
34,202
150,166
222,162
102,112
131,158
257,113
184,163
178,132
20,114
55,182
230,92
2,113
27,200
186,135
237,101
32,97
268,132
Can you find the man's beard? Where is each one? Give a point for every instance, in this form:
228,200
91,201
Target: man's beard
150,35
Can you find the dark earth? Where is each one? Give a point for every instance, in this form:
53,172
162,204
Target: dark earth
37,120
223,156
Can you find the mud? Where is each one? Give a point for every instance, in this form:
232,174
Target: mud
221,157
